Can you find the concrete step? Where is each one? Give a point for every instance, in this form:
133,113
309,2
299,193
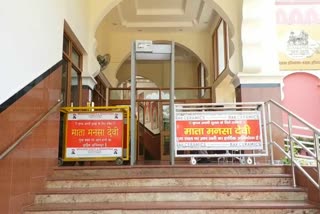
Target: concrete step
178,189
179,180
161,194
96,172
183,207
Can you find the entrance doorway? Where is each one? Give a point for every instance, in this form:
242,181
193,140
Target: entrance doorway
149,130
153,117
165,131
153,139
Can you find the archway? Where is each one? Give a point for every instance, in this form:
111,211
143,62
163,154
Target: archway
102,9
198,43
187,69
115,33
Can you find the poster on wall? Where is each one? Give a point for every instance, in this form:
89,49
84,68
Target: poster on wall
94,135
218,131
298,35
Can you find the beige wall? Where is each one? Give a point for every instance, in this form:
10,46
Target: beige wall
225,94
151,71
259,44
186,74
159,73
118,44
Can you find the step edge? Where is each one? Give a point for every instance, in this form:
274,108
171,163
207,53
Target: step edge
52,178
164,166
299,204
158,189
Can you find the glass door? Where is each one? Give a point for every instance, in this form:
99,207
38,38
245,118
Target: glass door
165,131
140,131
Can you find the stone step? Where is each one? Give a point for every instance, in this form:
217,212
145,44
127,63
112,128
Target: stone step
189,180
94,172
182,207
153,194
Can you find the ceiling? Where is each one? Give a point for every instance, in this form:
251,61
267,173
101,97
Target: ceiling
161,15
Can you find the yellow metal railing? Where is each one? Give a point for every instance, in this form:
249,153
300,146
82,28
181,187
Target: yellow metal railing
124,110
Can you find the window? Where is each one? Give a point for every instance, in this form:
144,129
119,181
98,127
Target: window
71,73
201,79
220,48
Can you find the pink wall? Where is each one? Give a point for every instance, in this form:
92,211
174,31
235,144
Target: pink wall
302,96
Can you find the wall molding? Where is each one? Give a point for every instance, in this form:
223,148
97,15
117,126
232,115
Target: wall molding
6,104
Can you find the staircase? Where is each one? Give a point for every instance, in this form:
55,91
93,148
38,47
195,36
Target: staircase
171,189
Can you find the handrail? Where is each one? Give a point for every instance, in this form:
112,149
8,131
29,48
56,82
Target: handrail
294,139
161,90
298,165
295,116
290,154
29,131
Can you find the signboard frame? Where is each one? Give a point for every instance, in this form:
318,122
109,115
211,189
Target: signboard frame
214,113
98,127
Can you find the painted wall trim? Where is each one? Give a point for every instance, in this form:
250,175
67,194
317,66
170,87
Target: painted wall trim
262,85
28,87
297,2
89,81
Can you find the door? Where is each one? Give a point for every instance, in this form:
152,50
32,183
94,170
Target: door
165,131
140,131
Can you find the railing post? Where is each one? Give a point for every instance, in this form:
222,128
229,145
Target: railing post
172,98
133,106
291,149
270,134
316,149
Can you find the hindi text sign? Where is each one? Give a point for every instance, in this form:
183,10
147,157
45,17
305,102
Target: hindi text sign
94,135
218,131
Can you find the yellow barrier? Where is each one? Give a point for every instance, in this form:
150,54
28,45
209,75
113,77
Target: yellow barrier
95,134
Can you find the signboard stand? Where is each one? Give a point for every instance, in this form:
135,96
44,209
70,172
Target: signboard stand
235,128
92,135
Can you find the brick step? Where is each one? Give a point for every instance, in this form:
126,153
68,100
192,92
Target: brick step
148,194
159,170
182,207
178,180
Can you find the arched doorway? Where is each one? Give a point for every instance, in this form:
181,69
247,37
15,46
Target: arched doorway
190,24
153,96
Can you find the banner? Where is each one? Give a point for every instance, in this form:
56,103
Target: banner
234,130
298,35
94,135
